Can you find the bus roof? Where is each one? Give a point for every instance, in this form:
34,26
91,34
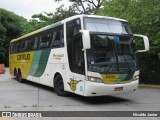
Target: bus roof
65,20
37,31
94,16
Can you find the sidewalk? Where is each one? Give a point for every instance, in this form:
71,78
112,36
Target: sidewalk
149,86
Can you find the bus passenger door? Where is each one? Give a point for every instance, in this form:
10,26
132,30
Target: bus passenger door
77,66
76,74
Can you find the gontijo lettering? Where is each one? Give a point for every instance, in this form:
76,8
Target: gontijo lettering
23,57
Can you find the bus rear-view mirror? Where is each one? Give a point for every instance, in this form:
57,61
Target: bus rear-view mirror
141,42
86,39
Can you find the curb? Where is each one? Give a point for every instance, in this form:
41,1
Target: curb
149,86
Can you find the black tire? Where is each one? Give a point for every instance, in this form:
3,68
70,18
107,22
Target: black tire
19,77
16,74
59,86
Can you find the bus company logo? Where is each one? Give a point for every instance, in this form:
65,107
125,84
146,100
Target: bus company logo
73,84
23,57
58,56
110,76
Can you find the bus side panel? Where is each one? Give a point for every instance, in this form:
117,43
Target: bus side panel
11,64
21,61
75,83
38,65
56,64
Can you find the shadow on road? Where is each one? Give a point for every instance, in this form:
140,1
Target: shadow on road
88,100
100,99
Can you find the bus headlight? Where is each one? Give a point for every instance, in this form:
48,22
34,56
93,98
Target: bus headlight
135,77
95,79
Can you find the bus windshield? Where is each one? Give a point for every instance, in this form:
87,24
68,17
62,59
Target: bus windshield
106,25
111,54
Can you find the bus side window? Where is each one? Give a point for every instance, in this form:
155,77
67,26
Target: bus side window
25,48
53,39
18,47
13,48
58,37
62,37
57,41
45,40
35,43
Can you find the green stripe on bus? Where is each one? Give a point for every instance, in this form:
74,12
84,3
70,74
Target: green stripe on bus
126,77
35,61
122,77
42,63
129,76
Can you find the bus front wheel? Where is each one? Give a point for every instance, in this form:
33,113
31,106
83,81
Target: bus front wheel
59,86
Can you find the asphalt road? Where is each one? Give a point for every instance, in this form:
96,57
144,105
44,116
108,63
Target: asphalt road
30,96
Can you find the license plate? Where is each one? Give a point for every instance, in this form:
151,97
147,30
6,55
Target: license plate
118,89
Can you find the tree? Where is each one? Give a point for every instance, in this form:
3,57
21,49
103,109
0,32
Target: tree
79,6
42,19
144,18
11,26
85,6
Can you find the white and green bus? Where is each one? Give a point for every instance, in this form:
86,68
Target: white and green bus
88,55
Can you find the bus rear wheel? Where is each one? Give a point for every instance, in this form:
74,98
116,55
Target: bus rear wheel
59,86
19,77
15,72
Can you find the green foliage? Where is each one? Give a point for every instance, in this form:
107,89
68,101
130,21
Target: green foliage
144,18
143,15
78,7
43,19
85,6
11,26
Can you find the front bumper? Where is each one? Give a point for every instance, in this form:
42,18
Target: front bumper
101,89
